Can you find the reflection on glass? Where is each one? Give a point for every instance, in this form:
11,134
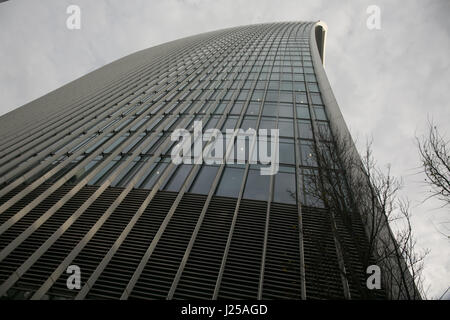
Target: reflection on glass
204,179
178,178
257,186
230,182
284,188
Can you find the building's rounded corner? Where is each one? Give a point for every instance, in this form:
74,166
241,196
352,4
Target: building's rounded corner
320,30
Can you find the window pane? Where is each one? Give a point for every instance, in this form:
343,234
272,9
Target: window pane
178,178
316,98
272,96
249,122
253,109
270,110
285,110
286,128
324,130
220,108
268,124
154,175
299,86
273,85
286,85
287,155
307,153
313,87
243,95
320,113
204,180
230,123
305,129
303,112
301,98
257,95
237,108
284,188
230,182
257,185
286,97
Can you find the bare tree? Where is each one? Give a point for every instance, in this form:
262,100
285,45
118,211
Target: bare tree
359,193
435,157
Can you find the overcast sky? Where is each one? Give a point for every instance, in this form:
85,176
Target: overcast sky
387,82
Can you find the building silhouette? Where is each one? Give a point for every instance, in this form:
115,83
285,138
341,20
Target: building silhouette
87,180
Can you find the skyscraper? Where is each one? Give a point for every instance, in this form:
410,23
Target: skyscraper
88,182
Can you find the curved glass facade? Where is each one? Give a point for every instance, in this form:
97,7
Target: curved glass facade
93,185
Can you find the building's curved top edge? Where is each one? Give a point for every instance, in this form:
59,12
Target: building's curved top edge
320,30
71,92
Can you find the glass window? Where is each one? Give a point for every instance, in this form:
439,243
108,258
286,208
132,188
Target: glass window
143,175
320,113
270,110
118,140
286,128
127,174
154,175
310,187
204,180
268,123
272,96
257,95
313,87
301,98
284,188
237,108
305,129
287,153
275,76
285,110
286,76
261,85
98,177
230,123
131,146
273,85
286,97
316,99
299,86
243,95
286,85
220,108
178,178
249,122
307,153
211,123
299,77
303,112
247,84
324,130
171,171
230,183
257,186
253,109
